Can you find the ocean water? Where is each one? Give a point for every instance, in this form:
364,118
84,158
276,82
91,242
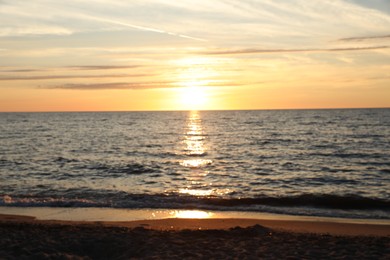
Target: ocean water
303,162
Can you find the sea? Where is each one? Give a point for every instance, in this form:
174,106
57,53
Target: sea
329,163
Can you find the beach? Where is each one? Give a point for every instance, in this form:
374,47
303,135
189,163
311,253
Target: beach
220,129
25,237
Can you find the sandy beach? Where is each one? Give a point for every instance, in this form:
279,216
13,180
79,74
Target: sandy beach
25,237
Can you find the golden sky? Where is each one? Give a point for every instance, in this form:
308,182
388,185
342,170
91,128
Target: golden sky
179,55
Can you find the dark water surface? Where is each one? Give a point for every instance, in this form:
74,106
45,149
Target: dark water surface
305,162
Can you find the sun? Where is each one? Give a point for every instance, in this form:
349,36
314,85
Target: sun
193,97
195,78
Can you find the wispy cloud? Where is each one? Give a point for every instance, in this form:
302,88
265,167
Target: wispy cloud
115,85
44,18
143,28
364,38
220,22
41,29
142,85
51,77
67,69
265,51
20,70
4,69
101,67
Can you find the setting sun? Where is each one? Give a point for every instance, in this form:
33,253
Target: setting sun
193,98
193,76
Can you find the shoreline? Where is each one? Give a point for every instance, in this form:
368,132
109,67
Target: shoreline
169,219
124,214
180,224
26,237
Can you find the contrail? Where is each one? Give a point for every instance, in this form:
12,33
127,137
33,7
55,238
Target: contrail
143,28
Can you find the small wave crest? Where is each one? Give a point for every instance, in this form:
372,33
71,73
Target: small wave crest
348,202
7,200
129,168
114,199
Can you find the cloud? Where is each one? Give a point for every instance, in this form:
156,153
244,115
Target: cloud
72,68
116,85
265,51
7,78
364,38
140,85
20,70
143,28
7,69
34,30
105,67
222,22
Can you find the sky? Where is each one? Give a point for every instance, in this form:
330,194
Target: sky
113,55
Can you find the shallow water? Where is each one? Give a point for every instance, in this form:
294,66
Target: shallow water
305,162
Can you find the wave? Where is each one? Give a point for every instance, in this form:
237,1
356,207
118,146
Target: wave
114,199
120,169
348,202
30,201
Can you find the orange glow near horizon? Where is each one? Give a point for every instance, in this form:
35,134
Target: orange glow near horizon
199,83
102,59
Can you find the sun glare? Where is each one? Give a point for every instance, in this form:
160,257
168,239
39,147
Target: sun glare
192,214
193,98
194,77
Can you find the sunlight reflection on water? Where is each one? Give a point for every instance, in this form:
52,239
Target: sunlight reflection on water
311,162
194,136
195,147
195,192
193,141
192,214
196,163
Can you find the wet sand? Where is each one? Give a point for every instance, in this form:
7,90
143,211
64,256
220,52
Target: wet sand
24,237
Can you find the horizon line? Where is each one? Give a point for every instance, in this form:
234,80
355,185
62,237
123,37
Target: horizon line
188,110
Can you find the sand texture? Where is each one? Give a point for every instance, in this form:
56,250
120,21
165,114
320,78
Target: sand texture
25,238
